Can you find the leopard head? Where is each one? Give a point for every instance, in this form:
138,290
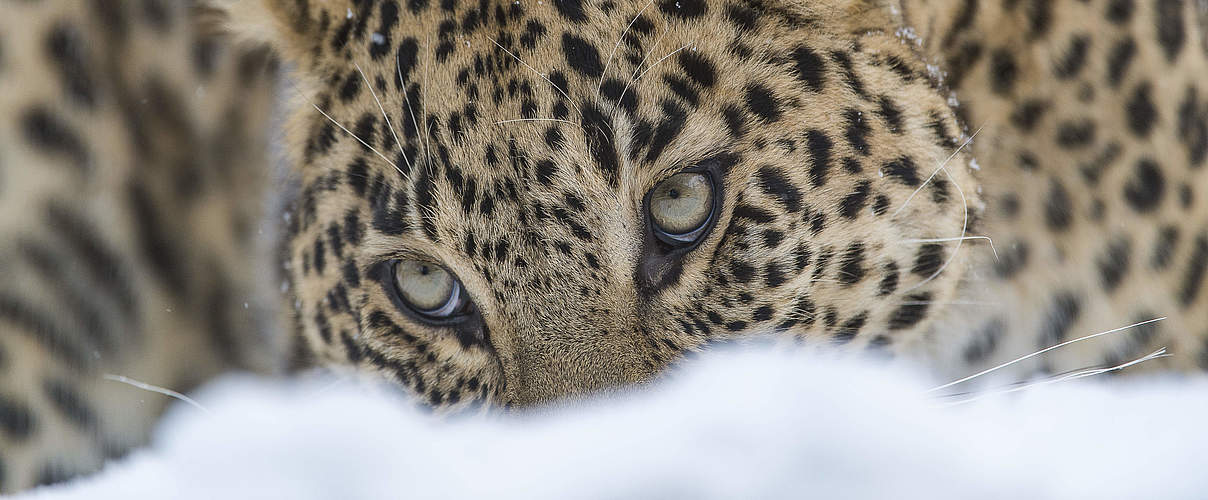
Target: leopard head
508,202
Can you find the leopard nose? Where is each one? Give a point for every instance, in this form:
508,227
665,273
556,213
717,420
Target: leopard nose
576,353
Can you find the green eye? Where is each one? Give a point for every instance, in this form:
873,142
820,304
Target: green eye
428,289
681,207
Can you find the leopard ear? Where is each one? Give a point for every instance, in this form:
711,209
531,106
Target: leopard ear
294,28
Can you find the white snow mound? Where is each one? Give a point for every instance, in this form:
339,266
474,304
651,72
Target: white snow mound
750,423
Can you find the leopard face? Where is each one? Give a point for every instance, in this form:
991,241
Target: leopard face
477,223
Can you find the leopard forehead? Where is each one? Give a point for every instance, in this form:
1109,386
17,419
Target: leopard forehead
513,142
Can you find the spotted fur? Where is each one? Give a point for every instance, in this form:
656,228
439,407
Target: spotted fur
131,182
868,153
526,143
522,138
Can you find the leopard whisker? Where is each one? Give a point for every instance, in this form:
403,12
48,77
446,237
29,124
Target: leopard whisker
298,92
543,77
657,41
1089,372
430,211
424,102
514,120
959,241
942,240
608,62
656,63
937,170
406,100
1042,351
386,116
354,136
154,388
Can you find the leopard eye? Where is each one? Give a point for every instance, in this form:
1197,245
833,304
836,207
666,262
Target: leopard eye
680,208
428,289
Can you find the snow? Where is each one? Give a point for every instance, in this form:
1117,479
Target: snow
750,423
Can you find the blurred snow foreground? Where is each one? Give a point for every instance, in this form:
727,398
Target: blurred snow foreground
750,423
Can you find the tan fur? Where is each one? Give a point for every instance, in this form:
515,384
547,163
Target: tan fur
200,162
548,340
539,349
1070,260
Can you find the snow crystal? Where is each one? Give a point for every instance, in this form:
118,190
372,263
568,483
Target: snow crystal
909,35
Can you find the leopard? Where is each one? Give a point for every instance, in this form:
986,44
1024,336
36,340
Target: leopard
502,204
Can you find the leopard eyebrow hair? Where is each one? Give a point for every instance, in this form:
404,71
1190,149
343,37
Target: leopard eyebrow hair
603,74
354,136
386,116
543,77
652,65
407,100
424,103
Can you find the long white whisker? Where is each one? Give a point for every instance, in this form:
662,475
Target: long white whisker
646,57
543,77
514,120
354,136
410,109
656,63
942,240
1158,354
154,388
424,103
385,116
664,58
299,93
936,171
959,241
1042,351
608,62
